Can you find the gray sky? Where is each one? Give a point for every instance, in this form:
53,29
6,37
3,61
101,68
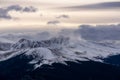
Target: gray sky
23,17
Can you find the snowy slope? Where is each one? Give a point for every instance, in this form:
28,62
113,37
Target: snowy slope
58,50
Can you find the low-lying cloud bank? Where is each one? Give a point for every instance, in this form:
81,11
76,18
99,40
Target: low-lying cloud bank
4,11
84,32
100,32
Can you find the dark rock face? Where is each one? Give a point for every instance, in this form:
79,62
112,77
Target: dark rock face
115,60
14,68
77,71
18,68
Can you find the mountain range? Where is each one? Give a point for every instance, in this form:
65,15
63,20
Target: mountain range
59,58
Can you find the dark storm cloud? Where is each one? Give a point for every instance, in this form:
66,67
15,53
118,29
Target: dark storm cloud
55,22
4,12
100,32
63,16
97,6
29,9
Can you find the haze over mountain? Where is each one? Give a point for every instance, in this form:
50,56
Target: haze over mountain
59,40
22,57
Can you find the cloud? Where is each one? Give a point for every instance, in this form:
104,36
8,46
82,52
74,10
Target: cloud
100,32
63,16
97,6
55,22
11,37
29,9
4,12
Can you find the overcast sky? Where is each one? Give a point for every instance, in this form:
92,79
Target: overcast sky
59,1
55,14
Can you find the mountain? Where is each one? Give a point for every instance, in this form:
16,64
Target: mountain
17,68
62,49
4,46
24,43
59,58
113,59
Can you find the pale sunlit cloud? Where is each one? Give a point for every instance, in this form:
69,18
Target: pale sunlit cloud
4,12
47,11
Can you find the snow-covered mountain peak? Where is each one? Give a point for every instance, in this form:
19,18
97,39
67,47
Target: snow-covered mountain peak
58,50
52,43
21,44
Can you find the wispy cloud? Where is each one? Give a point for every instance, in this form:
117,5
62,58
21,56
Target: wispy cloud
4,12
63,16
97,6
54,22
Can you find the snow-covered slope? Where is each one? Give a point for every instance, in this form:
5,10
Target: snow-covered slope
5,46
54,42
58,50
